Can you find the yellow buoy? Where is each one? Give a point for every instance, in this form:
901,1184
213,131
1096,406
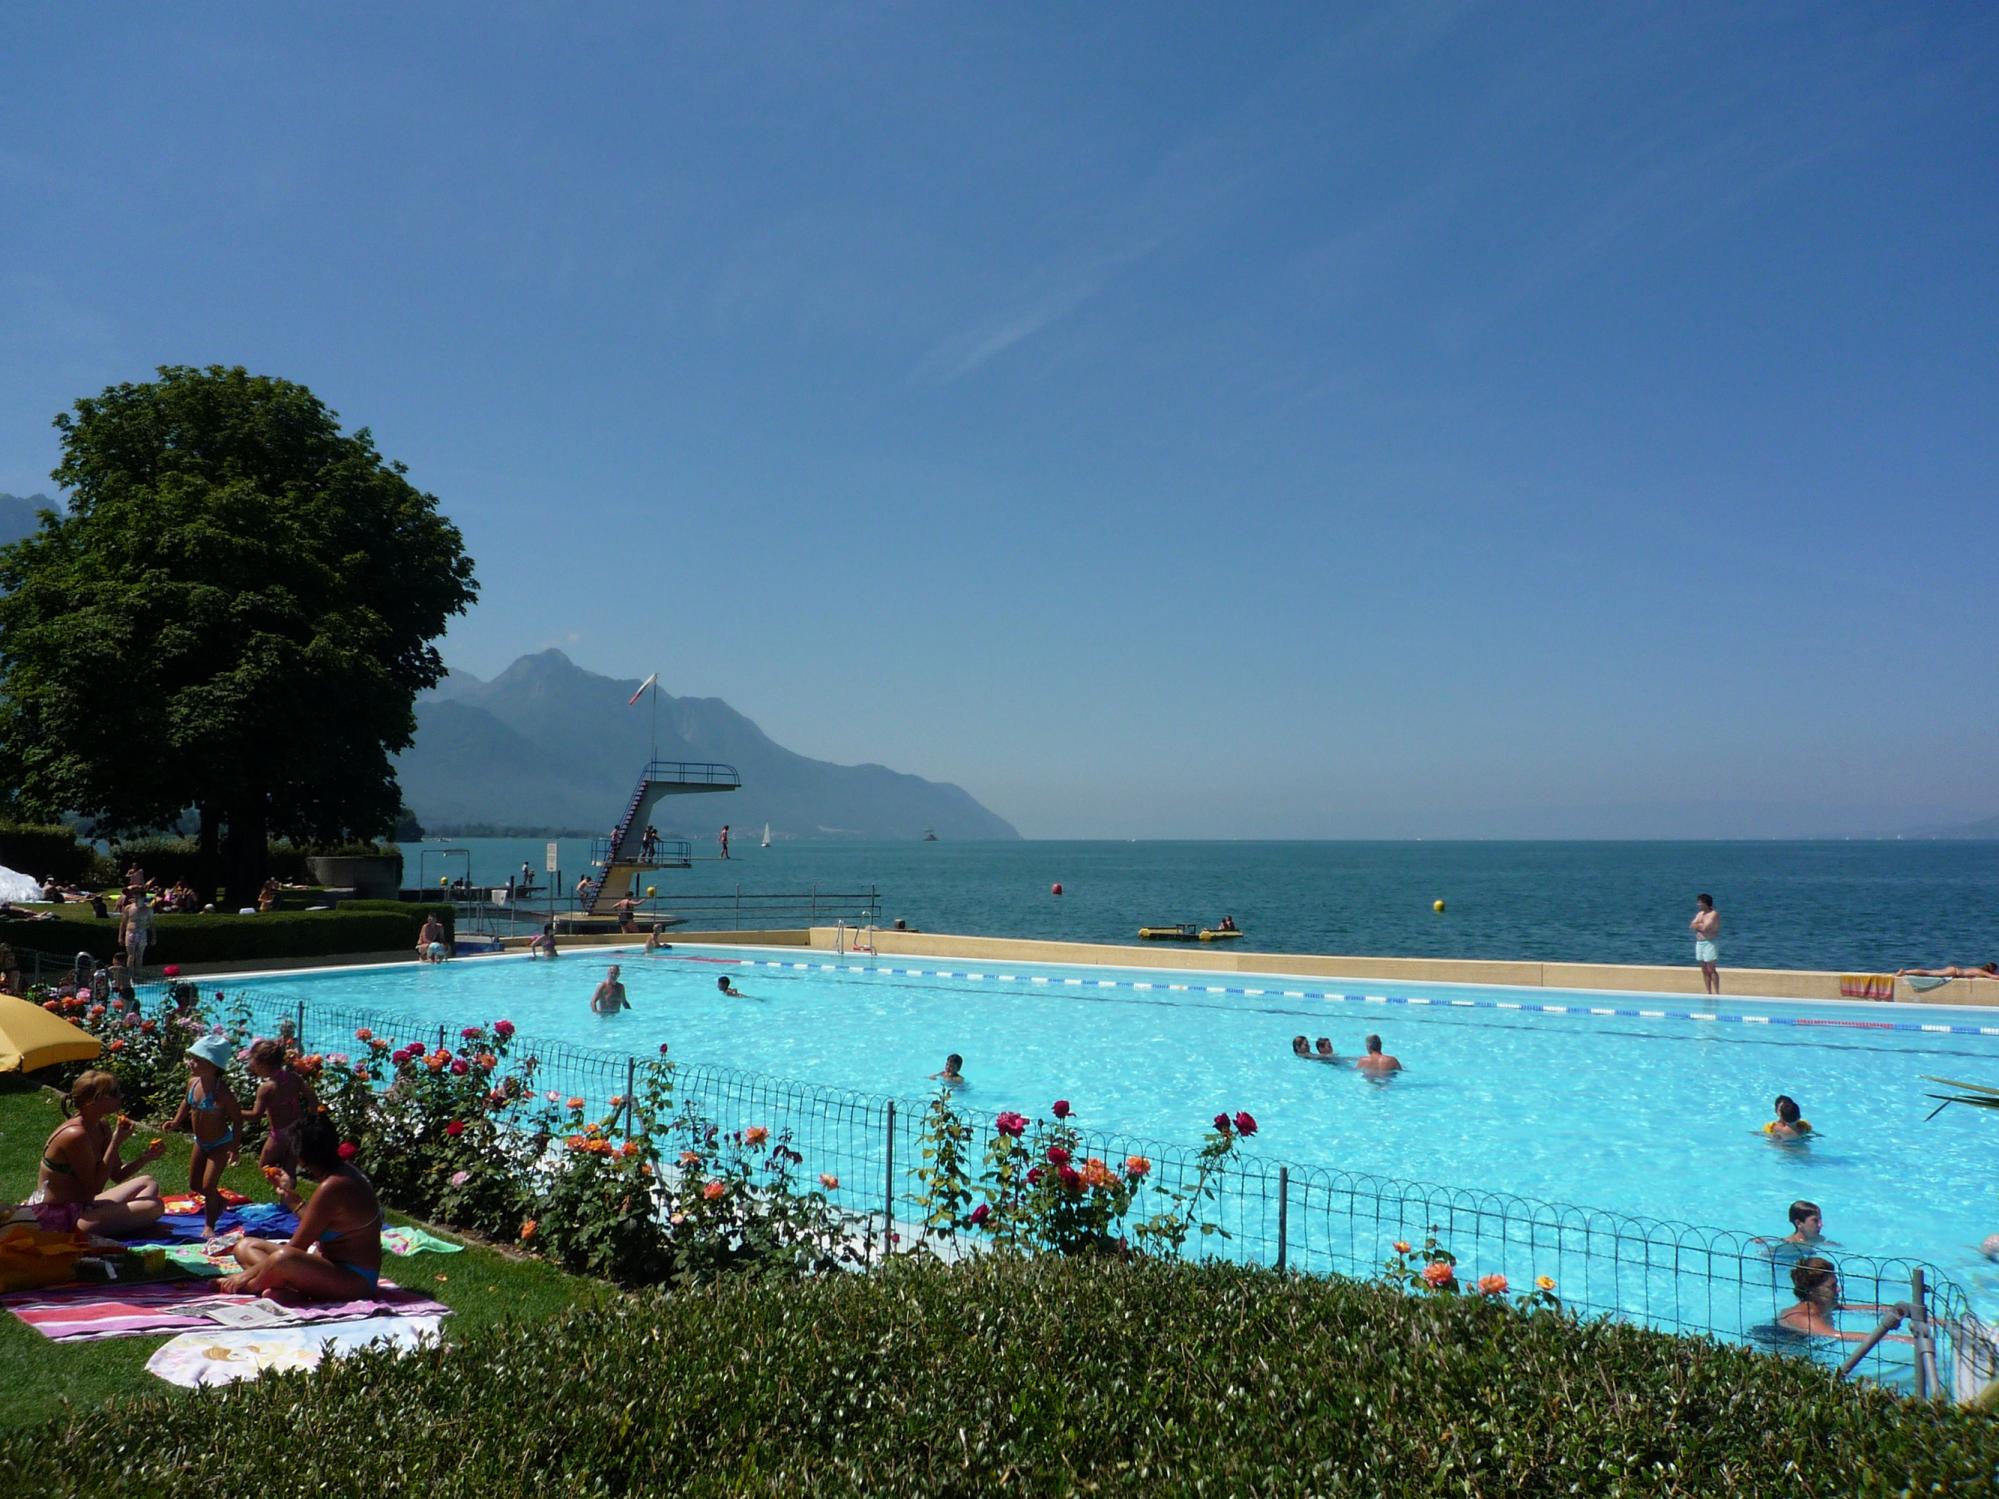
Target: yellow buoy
1436,905
651,891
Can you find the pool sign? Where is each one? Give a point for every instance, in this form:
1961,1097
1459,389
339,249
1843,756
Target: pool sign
551,858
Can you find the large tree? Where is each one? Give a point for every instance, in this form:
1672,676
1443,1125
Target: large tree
235,613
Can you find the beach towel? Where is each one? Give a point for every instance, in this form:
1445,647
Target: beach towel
217,1256
1922,983
1867,985
264,1219
217,1357
76,1314
32,1256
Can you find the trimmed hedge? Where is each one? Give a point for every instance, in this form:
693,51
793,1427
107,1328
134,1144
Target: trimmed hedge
1032,1376
382,927
47,851
171,859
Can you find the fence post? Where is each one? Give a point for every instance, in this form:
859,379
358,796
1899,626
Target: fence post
298,1029
1924,1337
1283,1213
440,1038
631,1078
888,1188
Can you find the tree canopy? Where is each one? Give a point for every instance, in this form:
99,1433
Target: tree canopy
235,613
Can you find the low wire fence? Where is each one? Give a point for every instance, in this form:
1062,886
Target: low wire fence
1676,1277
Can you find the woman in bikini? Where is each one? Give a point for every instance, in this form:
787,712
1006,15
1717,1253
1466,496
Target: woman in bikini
85,1182
336,1255
282,1100
211,1111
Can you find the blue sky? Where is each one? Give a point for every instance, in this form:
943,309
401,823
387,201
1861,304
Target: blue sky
1162,420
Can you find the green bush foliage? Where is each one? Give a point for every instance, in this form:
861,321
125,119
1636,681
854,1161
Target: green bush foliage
379,927
1033,1375
171,859
47,851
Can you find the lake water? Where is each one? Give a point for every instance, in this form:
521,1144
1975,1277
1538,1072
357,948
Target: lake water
1837,905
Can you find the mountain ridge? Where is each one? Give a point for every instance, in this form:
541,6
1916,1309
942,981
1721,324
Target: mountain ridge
547,744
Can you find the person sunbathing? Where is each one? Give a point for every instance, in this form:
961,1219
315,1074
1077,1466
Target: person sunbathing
1951,971
336,1253
85,1182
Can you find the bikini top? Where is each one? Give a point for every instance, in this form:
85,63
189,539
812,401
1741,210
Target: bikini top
333,1236
206,1106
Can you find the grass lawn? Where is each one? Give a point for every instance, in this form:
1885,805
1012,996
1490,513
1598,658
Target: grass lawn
41,1377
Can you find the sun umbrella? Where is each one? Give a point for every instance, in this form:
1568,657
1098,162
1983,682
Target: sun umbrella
31,1037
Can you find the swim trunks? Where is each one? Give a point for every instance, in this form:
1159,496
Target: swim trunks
58,1217
1706,952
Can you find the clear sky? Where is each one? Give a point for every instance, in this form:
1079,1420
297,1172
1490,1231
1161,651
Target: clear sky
1160,419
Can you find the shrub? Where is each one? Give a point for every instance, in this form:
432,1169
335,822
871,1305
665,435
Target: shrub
1048,1375
47,851
383,927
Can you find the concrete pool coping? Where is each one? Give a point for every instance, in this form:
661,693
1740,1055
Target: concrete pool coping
1586,978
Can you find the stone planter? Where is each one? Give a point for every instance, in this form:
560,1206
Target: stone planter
378,877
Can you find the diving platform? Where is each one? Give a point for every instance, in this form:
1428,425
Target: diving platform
625,855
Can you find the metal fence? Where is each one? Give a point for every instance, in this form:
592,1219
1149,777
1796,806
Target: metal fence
1676,1277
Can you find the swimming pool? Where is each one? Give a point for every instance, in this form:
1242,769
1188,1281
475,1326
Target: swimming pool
1648,1106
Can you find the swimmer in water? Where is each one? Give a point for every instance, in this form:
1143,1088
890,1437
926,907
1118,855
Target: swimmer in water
1815,1283
610,995
1299,1048
1787,1125
1324,1050
1378,1063
656,939
729,989
953,1075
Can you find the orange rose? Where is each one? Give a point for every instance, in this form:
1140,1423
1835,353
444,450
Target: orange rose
714,1190
1492,1285
1439,1274
690,1158
1401,1246
527,1230
574,1103
1096,1174
829,1181
756,1134
1136,1166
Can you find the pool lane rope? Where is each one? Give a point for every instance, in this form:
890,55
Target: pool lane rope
1058,981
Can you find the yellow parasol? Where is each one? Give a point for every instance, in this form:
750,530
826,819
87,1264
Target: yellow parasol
31,1037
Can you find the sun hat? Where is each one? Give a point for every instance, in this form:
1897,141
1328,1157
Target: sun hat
213,1050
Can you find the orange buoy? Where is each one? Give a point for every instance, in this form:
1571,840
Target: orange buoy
1056,888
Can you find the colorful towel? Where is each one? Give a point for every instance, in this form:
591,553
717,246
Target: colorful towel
264,1219
409,1239
74,1314
1867,985
183,1203
217,1357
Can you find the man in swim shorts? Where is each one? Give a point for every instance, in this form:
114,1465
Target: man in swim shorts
1707,927
610,995
1377,1062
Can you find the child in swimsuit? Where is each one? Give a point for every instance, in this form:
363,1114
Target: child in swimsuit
283,1098
211,1111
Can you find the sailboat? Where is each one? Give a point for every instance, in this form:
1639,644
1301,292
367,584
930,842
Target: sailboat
930,835
766,835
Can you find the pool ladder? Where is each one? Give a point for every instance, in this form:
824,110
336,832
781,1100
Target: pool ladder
841,947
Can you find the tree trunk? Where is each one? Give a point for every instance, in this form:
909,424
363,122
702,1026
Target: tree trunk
245,852
208,852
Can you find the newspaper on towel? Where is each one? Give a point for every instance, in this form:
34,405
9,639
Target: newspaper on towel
228,1311
212,1358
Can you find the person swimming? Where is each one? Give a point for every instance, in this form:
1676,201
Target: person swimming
1378,1063
1788,1125
953,1073
1299,1048
1323,1050
1815,1282
610,996
729,989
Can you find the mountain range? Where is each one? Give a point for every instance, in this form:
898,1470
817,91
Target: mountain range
17,514
549,747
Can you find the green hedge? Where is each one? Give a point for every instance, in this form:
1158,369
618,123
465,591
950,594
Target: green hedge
1035,1377
383,927
171,859
47,851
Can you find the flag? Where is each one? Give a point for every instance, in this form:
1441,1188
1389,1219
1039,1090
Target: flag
648,682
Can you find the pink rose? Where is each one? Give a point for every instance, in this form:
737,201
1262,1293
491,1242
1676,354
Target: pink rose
1011,1124
460,1178
1061,1108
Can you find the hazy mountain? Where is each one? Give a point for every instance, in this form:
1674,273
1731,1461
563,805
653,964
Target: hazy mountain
17,515
1984,827
548,745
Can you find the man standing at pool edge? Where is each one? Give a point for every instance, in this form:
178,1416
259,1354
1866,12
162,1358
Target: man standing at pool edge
1707,926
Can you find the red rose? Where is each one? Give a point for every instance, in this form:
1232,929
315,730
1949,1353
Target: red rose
1061,1109
1011,1124
1034,1176
349,1150
503,1028
1057,1156
171,971
1222,1123
980,1214
455,1128
1072,1179
1245,1123
470,1033
459,1067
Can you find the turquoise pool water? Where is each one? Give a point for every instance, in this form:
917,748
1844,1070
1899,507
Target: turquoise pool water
1651,1108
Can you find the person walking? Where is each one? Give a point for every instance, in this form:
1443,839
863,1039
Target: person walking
725,840
1707,929
135,933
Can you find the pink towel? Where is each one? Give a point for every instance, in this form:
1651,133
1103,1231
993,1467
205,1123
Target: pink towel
82,1313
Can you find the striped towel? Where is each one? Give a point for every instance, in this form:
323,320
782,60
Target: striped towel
1867,985
85,1313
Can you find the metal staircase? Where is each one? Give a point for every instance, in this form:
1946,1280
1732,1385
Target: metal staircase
622,856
